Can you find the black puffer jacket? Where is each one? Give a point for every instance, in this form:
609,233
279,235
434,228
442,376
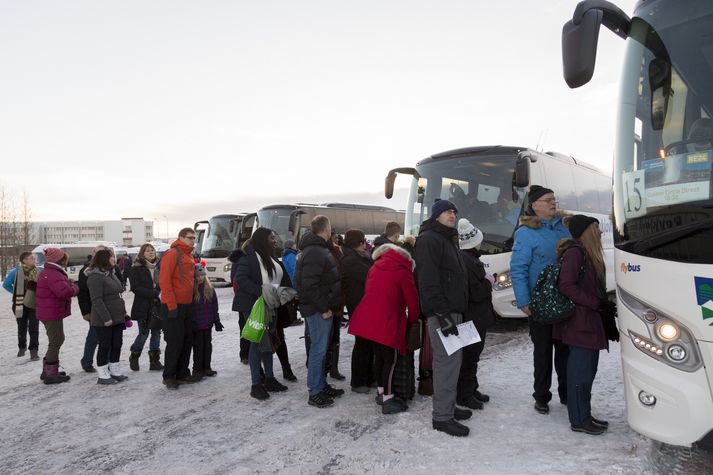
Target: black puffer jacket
353,270
440,270
480,292
249,279
145,294
317,278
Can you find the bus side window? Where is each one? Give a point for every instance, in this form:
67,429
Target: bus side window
559,178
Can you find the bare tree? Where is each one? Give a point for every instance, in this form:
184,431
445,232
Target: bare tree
26,229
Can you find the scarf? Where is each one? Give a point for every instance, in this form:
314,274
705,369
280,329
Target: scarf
153,270
21,295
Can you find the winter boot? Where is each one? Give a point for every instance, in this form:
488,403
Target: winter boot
451,427
480,396
425,386
288,374
21,352
470,402
134,360
115,372
334,373
393,405
104,375
60,374
259,392
274,386
34,356
210,372
155,360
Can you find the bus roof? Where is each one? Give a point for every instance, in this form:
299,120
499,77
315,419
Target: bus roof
328,205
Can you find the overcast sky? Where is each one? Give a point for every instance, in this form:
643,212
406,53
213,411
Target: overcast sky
111,109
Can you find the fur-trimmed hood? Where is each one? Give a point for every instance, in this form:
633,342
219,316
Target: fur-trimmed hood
535,222
384,248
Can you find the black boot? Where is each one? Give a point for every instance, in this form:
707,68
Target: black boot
155,360
334,373
134,360
288,374
258,392
451,427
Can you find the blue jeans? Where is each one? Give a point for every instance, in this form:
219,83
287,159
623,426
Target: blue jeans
254,359
90,345
319,329
140,341
581,370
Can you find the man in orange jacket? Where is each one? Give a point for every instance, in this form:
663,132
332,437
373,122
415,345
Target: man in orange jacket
176,282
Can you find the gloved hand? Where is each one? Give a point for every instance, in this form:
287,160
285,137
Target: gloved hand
109,323
218,326
448,326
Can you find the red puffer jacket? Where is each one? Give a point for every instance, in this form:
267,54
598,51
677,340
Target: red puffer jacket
390,289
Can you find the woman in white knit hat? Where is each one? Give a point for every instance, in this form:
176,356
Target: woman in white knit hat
480,312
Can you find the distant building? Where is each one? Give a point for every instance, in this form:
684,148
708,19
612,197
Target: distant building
126,232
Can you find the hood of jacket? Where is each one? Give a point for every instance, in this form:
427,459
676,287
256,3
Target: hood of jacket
288,251
391,256
95,270
235,255
311,239
185,249
535,222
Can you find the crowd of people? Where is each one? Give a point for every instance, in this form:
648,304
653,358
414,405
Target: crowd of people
399,296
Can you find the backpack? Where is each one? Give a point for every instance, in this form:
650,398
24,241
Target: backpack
547,303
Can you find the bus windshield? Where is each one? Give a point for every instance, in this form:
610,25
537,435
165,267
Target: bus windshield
664,148
480,186
277,219
220,238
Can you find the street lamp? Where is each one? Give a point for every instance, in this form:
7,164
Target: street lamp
167,237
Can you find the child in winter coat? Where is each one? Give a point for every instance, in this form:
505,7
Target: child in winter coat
205,315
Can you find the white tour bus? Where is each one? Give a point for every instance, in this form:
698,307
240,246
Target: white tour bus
489,186
292,221
220,235
78,253
663,207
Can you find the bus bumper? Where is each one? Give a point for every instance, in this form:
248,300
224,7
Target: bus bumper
504,304
683,405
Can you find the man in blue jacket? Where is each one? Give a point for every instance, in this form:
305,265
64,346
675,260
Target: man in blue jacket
535,247
21,282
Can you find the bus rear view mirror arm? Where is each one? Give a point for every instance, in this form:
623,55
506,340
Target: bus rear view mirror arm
581,35
391,178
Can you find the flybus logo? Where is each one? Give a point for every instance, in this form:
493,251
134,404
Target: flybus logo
626,267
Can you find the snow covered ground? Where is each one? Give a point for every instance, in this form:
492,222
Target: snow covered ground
215,427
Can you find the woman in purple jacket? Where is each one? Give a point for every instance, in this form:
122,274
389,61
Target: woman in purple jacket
54,302
583,332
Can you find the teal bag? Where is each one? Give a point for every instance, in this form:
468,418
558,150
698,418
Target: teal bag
256,325
547,303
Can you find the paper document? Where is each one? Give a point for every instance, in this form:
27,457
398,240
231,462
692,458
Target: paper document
467,335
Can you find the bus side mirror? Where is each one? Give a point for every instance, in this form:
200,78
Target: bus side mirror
660,82
391,178
581,34
522,171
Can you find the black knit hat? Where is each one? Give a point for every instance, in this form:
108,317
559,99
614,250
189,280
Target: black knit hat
536,192
579,223
440,206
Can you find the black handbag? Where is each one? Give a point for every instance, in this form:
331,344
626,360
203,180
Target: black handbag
413,336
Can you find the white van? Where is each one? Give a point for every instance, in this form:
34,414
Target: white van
79,254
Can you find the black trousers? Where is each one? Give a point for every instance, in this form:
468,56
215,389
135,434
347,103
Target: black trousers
281,351
28,324
385,366
110,339
544,344
244,344
178,335
362,363
468,376
202,349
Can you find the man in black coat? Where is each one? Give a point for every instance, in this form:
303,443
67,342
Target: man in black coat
443,292
319,287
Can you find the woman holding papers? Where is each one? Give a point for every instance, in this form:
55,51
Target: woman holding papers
381,317
480,312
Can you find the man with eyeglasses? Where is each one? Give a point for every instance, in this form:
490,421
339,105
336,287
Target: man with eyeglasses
536,240
176,283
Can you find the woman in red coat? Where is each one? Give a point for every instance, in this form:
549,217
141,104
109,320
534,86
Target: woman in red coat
381,316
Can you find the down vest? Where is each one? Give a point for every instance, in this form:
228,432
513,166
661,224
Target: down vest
317,278
54,293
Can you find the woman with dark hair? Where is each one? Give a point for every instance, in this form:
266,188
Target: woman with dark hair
331,365
143,276
583,279
234,258
258,267
108,315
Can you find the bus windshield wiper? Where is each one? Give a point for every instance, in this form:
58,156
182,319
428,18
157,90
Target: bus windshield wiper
644,245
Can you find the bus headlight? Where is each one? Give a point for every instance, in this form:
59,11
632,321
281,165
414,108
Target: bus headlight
667,331
502,281
227,267
677,352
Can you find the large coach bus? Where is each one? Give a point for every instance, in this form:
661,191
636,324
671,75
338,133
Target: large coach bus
293,220
663,207
221,235
489,186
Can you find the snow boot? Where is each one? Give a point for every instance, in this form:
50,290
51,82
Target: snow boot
51,373
259,392
542,407
210,372
451,427
115,372
425,386
155,360
34,356
21,352
134,360
461,414
470,402
104,375
480,396
274,386
334,367
288,374
171,383
393,405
